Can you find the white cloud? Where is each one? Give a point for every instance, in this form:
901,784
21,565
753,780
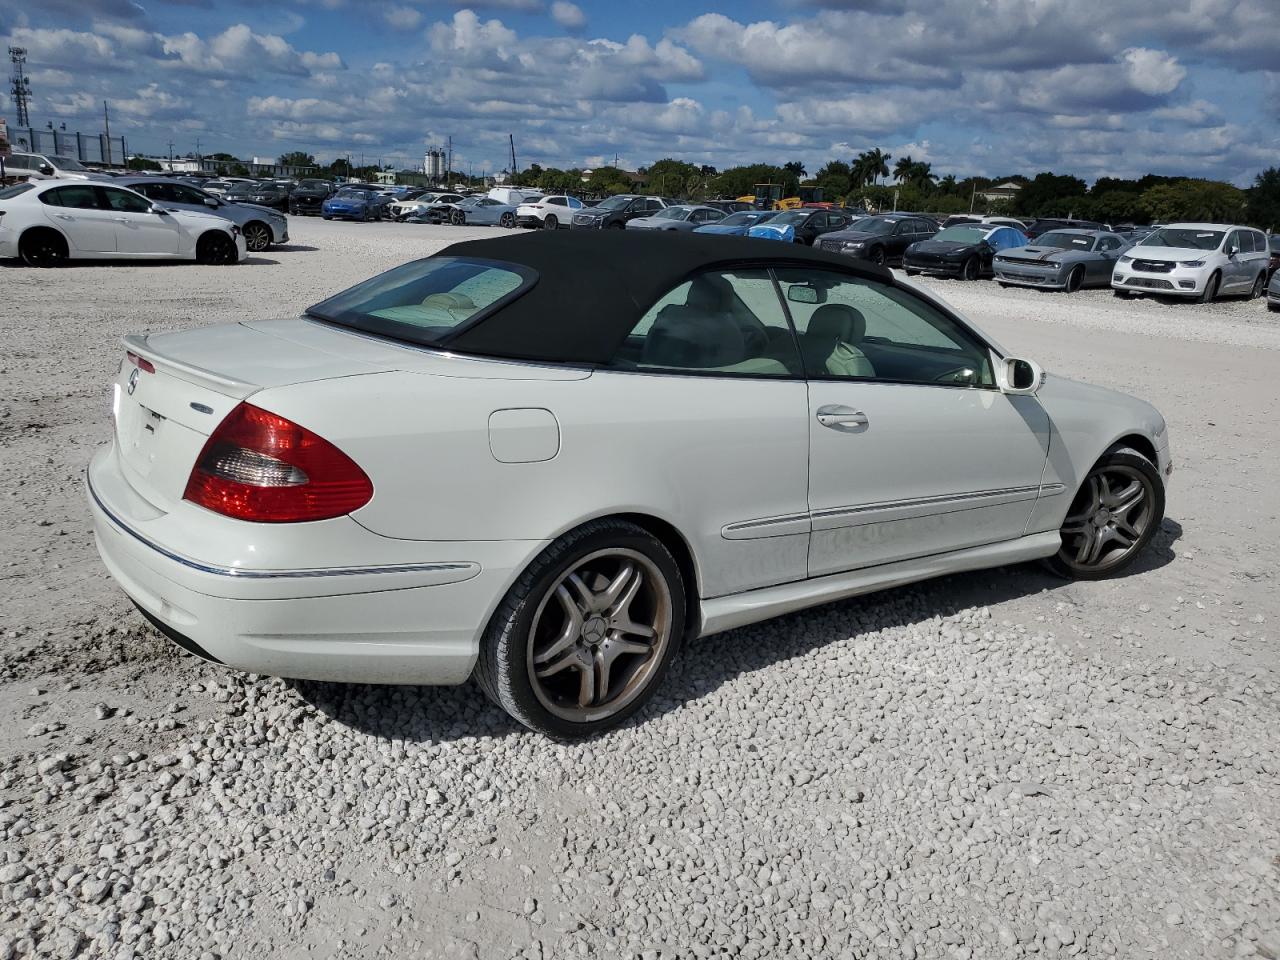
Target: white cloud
1153,72
402,18
568,15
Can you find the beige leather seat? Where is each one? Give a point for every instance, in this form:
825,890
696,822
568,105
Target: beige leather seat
830,343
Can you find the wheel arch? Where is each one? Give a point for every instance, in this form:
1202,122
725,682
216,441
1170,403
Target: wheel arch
1138,442
37,228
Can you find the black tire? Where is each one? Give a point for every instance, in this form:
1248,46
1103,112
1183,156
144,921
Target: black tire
458,218
504,669
216,248
1129,463
1210,292
43,248
549,222
1075,279
912,273
616,225
507,220
877,256
327,216
257,236
1003,285
971,269
1122,294
1259,286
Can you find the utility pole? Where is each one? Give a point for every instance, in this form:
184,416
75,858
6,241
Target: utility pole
171,156
514,168
20,86
974,198
199,158
106,123
448,166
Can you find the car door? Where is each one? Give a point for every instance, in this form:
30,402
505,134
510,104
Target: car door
1103,262
913,451
77,212
904,234
1235,274
705,406
140,231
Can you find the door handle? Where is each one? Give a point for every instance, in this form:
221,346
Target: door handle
123,220
837,416
64,216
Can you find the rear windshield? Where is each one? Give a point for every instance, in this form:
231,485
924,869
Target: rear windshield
8,193
428,299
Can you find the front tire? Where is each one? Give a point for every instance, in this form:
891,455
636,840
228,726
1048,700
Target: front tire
215,248
1210,293
877,257
1114,515
970,270
43,248
507,220
1075,279
458,218
257,237
586,634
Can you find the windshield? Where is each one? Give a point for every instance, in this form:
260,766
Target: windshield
791,218
744,219
1184,238
962,234
673,213
314,184
1065,241
1275,243
67,163
351,194
614,203
425,300
877,226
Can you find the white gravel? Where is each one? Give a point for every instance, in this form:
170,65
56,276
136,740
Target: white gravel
993,765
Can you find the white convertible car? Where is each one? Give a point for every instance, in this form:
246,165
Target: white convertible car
533,460
50,222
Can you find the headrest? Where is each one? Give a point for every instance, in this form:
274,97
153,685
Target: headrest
689,337
708,292
449,301
833,322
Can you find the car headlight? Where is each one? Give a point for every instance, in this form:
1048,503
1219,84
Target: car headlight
1191,263
1125,260
855,246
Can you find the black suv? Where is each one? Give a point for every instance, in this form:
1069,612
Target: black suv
880,239
309,196
614,212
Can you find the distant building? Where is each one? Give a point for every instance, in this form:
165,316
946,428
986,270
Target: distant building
177,164
1004,191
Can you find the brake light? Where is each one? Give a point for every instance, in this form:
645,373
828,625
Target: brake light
142,363
261,467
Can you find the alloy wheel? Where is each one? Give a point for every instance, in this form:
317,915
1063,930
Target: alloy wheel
971,269
1108,519
550,223
44,250
508,220
256,237
600,631
1075,279
1259,285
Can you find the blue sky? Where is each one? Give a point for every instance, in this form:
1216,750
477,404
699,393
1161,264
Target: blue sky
1092,87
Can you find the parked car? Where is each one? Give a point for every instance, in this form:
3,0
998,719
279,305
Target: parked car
47,223
964,252
352,203
1273,292
1198,260
1273,265
218,188
48,166
729,206
1061,260
1043,225
308,197
880,239
800,226
265,194
634,458
478,210
261,226
614,212
737,224
678,218
514,196
421,208
548,212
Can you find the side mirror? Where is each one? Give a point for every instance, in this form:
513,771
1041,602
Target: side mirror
1232,250
158,211
46,169
212,202
1017,376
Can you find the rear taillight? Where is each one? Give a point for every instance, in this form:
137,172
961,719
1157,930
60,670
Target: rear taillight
261,467
142,363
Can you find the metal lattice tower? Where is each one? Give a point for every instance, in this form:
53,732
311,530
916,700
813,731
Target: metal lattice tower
20,85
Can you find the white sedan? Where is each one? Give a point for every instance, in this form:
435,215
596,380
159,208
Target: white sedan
526,460
53,221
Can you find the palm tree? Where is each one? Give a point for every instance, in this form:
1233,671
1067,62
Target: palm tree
879,164
902,170
796,168
921,174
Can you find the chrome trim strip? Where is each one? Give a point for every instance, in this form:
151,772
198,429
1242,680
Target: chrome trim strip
835,517
240,573
1052,489
766,527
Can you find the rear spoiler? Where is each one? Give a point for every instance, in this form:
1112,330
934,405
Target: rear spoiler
140,345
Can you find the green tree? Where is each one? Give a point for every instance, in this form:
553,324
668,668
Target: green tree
670,177
609,181
741,181
297,158
835,178
1189,199
902,169
1051,195
1264,200
143,163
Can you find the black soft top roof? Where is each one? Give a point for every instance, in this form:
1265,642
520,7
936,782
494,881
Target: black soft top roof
594,286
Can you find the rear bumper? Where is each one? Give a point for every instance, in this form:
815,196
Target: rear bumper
396,622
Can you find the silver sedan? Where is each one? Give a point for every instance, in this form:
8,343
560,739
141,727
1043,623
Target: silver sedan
683,217
1061,260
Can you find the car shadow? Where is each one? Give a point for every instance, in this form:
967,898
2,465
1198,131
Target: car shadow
422,714
253,260
292,248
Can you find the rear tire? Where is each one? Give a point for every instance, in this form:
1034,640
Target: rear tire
215,248
1211,289
550,222
507,220
1259,286
1075,279
43,248
566,652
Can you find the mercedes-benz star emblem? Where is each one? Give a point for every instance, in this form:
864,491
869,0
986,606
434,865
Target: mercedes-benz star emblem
133,380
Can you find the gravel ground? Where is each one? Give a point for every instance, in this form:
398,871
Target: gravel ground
987,766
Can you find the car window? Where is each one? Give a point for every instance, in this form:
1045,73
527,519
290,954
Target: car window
1236,239
17,190
852,328
718,322
78,197
1109,243
1256,241
125,201
187,195
157,191
557,201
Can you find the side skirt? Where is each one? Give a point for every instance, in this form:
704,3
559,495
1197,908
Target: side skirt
739,609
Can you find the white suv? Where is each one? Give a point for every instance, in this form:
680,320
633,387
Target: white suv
550,213
1198,260
48,166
